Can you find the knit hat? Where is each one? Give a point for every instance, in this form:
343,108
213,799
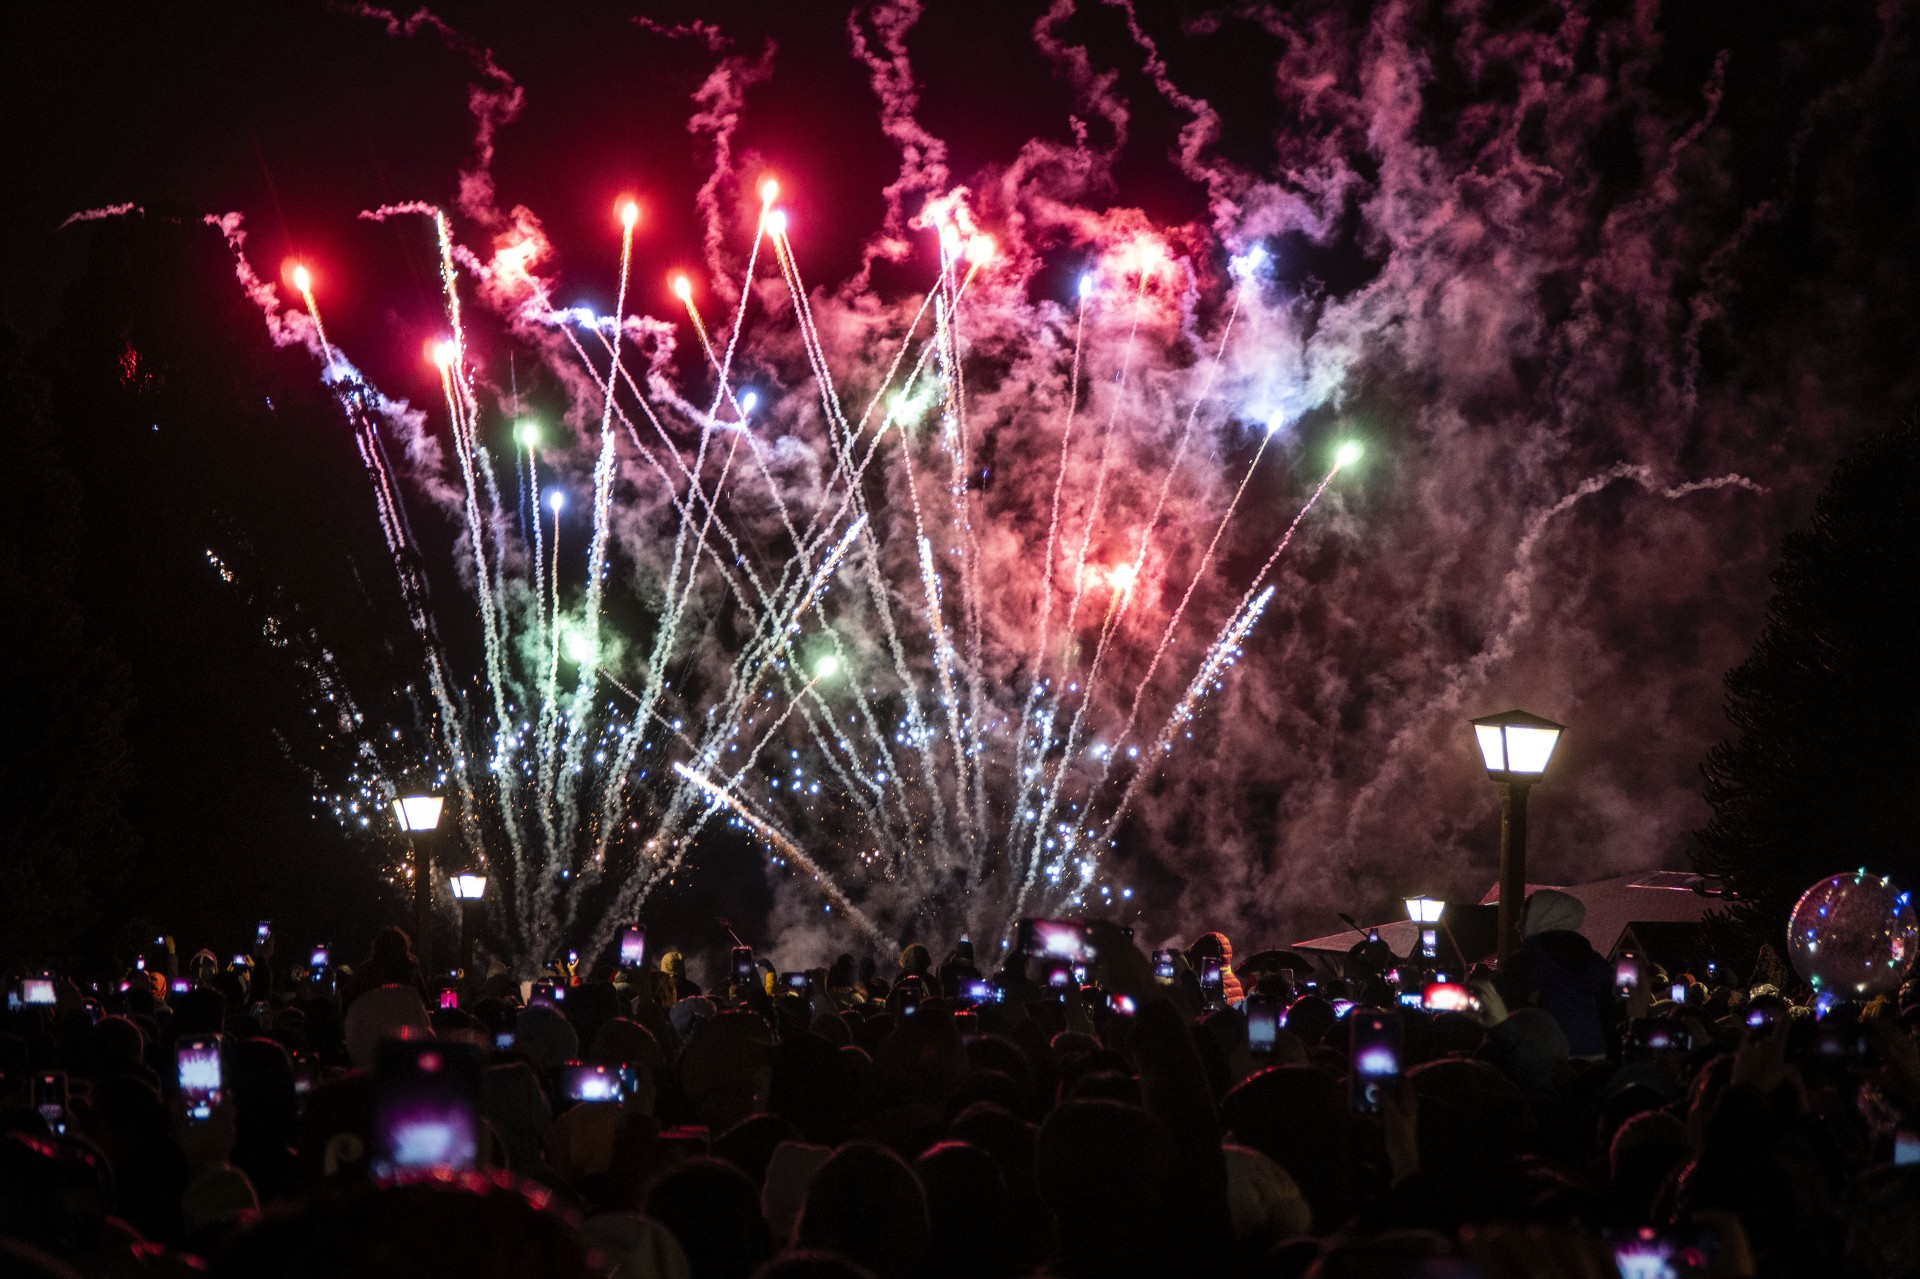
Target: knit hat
1262,1197
385,1012
638,1247
784,1193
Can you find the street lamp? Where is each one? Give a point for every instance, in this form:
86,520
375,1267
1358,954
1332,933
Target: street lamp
420,815
1425,911
1516,747
468,890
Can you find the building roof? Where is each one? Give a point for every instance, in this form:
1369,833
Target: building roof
1662,896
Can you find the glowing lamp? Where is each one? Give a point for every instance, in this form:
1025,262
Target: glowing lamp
769,190
418,814
629,214
302,279
1516,746
469,888
1347,454
1424,910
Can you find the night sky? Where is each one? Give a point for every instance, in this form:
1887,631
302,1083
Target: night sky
1606,290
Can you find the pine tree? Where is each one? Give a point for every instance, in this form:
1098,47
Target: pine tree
1820,774
65,843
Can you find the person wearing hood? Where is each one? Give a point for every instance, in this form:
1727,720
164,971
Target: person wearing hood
1559,971
1217,946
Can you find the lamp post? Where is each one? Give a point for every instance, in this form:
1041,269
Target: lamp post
420,816
1425,912
1515,747
468,890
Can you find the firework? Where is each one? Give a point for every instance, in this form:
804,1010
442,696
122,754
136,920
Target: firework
839,667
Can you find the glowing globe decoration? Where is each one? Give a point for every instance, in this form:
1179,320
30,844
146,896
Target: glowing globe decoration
1853,935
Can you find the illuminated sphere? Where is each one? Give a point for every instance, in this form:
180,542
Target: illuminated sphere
1853,935
682,287
629,214
1348,454
777,222
302,280
769,190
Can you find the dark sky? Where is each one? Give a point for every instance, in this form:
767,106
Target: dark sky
1554,263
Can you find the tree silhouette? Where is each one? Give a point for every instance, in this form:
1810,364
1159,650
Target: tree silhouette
1819,776
65,843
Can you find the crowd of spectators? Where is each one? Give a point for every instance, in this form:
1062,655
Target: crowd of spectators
1076,1111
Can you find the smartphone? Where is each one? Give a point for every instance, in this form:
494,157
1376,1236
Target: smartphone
1054,938
180,985
799,984
573,959
687,1141
1626,971
263,930
1761,1016
1122,1005
1667,1253
1163,965
1080,977
50,1099
584,1082
241,960
1659,1034
1263,1024
198,1071
543,992
319,957
1341,1007
1677,992
1412,999
909,1000
37,992
967,1022
425,1108
304,1075
743,974
1374,1049
1059,974
982,992
963,949
449,997
1906,1147
1449,997
503,1028
633,945
1212,984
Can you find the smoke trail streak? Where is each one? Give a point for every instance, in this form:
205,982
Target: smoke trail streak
767,831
